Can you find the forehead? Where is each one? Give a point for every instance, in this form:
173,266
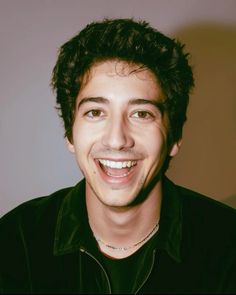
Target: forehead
121,68
112,74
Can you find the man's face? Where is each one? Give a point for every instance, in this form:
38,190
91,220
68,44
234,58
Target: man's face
119,132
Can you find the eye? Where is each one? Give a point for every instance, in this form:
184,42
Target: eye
142,115
94,114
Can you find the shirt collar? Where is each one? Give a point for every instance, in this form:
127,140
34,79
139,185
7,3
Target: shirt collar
170,230
73,231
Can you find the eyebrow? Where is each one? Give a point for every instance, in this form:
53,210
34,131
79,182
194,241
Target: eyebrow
135,101
141,101
93,99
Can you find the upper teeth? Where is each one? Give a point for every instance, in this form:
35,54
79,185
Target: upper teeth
118,165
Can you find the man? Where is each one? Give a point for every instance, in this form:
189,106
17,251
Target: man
122,90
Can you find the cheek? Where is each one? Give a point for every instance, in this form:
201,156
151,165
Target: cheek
156,152
85,138
86,131
81,134
155,135
157,145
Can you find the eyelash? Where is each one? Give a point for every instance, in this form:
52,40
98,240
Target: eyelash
90,115
96,114
147,114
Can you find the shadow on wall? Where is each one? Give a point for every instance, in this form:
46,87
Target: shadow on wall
207,161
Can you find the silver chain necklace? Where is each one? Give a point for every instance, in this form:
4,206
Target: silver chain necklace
154,230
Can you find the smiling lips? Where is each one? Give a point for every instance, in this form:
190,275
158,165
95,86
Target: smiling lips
117,169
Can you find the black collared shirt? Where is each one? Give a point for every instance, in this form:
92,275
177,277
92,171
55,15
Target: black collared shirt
72,228
46,245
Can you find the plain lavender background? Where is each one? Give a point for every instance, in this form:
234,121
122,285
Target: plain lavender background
34,160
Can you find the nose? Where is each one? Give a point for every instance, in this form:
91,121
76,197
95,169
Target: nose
117,135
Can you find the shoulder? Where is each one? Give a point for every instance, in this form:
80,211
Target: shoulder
26,234
207,220
202,205
28,227
198,204
30,212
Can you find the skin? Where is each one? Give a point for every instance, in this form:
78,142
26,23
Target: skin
117,118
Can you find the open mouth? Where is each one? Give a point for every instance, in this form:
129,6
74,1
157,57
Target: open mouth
116,169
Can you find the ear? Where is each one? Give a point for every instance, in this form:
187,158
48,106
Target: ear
70,146
175,148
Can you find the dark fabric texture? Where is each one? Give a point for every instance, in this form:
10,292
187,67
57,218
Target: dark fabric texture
46,246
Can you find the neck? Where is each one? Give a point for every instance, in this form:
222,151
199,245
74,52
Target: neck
124,227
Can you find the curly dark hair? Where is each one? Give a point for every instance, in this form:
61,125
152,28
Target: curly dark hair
132,41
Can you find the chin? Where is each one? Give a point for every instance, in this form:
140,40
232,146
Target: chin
116,197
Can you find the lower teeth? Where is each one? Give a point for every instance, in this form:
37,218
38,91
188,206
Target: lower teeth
123,175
